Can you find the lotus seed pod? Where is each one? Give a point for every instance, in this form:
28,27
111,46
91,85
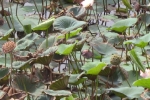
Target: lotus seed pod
8,46
115,59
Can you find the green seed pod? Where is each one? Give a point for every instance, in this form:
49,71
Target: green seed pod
115,59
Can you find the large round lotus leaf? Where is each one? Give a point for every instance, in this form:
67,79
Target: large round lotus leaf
129,92
103,48
67,24
79,12
23,82
27,41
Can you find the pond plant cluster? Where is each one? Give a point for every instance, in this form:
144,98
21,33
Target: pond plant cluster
74,49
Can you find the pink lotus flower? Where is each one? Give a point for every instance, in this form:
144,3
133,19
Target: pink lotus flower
146,74
87,3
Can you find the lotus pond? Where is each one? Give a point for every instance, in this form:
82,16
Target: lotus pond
74,50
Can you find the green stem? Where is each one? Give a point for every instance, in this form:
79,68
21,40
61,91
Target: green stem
124,76
47,38
37,10
104,39
146,57
11,59
5,59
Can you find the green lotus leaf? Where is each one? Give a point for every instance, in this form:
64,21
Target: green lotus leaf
145,18
32,36
129,92
78,12
25,20
60,84
43,97
50,50
68,98
74,80
58,92
103,48
66,24
21,64
27,28
6,35
58,57
51,40
23,44
135,58
44,25
79,45
144,82
122,25
4,72
43,59
27,41
24,83
70,34
140,42
65,49
93,68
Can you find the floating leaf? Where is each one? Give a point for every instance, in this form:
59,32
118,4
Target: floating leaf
93,68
